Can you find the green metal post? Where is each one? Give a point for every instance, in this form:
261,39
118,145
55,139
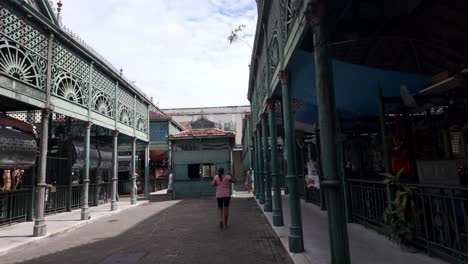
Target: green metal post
69,167
277,203
254,164
147,180
84,205
385,148
256,170
134,185
261,180
30,216
268,202
115,171
341,161
323,203
296,242
39,223
327,120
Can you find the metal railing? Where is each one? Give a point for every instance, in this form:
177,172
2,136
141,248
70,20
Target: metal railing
76,196
368,201
441,221
14,206
56,199
440,215
312,195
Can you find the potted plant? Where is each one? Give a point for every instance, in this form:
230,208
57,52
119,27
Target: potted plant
399,216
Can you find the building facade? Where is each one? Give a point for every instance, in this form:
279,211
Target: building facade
347,96
228,118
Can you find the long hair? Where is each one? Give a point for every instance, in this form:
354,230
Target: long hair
221,173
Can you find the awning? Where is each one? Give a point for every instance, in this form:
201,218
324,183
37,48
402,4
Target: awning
356,88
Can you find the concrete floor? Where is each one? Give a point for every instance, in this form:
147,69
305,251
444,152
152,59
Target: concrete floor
366,245
177,231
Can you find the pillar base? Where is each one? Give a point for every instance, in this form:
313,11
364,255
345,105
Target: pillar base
39,228
133,201
262,200
85,214
296,243
268,207
277,219
114,206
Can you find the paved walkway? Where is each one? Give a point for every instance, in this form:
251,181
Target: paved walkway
18,235
366,245
177,231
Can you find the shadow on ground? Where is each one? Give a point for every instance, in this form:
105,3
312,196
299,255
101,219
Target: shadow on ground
186,232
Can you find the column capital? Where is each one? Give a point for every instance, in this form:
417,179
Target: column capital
115,133
88,124
270,102
283,76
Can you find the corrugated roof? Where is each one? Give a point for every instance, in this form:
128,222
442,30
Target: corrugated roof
203,132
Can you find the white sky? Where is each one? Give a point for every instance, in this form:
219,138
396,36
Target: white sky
175,50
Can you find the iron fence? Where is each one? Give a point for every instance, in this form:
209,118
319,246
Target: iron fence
441,221
14,206
56,199
368,201
76,196
440,215
312,195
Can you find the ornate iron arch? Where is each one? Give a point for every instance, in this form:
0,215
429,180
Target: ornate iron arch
102,104
141,124
17,63
125,116
69,88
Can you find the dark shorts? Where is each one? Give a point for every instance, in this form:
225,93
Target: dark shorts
223,202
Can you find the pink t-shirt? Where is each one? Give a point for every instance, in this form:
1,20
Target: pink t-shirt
223,188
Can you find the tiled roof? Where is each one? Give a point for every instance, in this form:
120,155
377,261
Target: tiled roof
158,116
203,132
185,124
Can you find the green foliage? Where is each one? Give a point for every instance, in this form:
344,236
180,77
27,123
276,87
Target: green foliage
400,213
235,34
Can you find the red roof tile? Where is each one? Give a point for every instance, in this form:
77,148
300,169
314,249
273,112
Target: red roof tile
203,132
158,116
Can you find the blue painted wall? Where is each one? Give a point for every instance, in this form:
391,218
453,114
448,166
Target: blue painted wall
355,86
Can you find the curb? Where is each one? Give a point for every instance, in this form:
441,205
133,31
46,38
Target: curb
67,229
293,256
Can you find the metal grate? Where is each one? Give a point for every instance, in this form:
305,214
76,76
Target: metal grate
103,94
125,107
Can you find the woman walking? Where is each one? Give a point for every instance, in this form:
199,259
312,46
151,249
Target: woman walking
223,195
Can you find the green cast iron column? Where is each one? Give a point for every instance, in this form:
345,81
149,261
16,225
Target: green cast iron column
254,164
331,183
147,180
296,242
39,223
85,191
261,180
115,171
268,206
277,203
323,205
134,185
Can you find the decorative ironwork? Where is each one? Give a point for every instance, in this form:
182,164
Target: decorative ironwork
102,104
141,116
125,107
12,27
16,62
70,88
103,88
